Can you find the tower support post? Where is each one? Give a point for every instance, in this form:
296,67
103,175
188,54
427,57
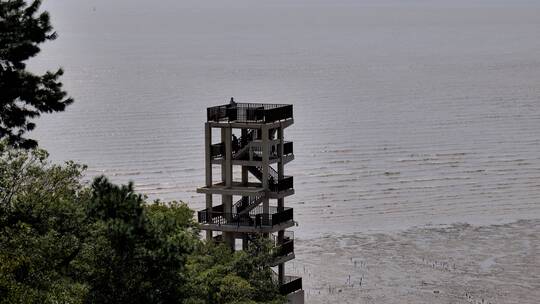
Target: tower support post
227,175
208,166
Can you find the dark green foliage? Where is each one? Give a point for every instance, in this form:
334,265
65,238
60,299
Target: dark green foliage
41,228
135,253
63,242
23,95
217,275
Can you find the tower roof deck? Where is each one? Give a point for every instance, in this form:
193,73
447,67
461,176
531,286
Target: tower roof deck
249,112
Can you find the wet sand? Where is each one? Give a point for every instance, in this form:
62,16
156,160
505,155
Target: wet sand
456,264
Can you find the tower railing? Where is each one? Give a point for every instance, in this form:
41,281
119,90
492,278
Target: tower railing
289,285
275,184
249,112
215,215
284,248
248,150
247,203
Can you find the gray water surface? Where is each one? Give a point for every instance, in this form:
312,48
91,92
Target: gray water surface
406,112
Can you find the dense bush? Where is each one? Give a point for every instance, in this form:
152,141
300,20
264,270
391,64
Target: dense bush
65,242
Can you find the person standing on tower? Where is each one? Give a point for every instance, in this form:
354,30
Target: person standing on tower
235,143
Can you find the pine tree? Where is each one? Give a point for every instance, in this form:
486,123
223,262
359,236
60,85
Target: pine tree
24,95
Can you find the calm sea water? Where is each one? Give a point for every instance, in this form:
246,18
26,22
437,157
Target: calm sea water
406,112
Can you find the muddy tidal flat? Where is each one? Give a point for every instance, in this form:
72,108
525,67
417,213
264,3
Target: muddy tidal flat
455,264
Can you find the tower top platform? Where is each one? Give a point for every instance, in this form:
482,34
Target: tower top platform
256,113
